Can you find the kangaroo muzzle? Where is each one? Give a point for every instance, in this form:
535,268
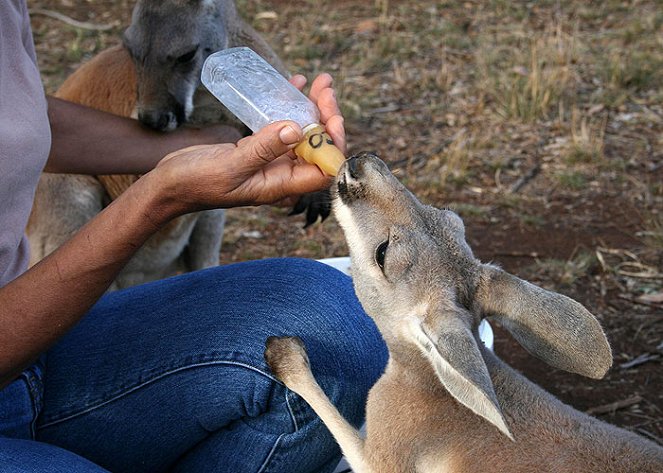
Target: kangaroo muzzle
358,174
166,119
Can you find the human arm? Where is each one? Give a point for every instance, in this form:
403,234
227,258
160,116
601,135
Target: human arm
40,306
88,141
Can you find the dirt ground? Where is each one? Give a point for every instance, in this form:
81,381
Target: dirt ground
540,123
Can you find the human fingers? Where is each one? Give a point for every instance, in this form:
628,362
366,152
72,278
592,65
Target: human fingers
336,129
298,81
320,83
328,105
263,147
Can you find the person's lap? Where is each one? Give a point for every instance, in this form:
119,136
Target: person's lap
171,375
28,456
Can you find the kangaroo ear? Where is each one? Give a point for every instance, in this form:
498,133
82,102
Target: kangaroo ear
457,361
551,326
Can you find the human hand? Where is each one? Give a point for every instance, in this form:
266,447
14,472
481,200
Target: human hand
322,94
260,169
257,170
317,205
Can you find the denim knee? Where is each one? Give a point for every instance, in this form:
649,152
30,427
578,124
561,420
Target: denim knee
337,325
346,351
293,296
302,297
214,324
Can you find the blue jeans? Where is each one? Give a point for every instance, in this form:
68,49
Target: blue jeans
170,376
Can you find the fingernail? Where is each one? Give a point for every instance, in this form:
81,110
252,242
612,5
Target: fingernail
289,135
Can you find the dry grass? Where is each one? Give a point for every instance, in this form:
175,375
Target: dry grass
653,232
565,273
451,164
528,83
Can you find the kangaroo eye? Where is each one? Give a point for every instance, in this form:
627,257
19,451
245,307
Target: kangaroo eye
187,57
380,253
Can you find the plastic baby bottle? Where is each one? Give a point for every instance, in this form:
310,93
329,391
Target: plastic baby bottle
258,95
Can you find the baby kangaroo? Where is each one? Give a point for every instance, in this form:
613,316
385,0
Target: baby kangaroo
445,403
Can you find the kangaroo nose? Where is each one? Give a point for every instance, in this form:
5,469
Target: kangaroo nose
161,121
355,167
360,164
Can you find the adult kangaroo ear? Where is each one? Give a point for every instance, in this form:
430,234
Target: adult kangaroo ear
552,327
453,352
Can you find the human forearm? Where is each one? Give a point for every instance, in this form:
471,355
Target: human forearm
41,305
87,141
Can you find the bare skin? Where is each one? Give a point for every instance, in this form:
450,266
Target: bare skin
81,131
41,305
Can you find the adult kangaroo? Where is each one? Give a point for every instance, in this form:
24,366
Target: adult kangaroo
154,76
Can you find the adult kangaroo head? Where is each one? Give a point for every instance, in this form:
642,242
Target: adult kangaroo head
169,40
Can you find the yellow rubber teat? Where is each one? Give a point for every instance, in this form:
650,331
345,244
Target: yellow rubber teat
318,148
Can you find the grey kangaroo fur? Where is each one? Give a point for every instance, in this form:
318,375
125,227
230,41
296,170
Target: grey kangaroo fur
156,77
445,403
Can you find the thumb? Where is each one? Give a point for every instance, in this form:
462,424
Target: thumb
272,141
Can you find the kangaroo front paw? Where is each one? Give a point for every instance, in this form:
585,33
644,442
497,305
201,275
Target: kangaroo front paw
286,356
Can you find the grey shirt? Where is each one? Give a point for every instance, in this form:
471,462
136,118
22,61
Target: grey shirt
25,135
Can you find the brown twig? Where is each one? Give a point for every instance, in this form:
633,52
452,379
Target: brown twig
525,178
639,360
614,406
70,21
638,301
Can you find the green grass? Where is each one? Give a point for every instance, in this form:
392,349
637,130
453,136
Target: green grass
533,220
572,180
633,70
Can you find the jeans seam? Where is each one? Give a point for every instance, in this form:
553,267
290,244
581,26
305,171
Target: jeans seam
290,411
270,454
159,377
32,383
33,424
272,451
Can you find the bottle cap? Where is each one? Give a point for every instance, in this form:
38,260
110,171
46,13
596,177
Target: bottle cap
318,148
